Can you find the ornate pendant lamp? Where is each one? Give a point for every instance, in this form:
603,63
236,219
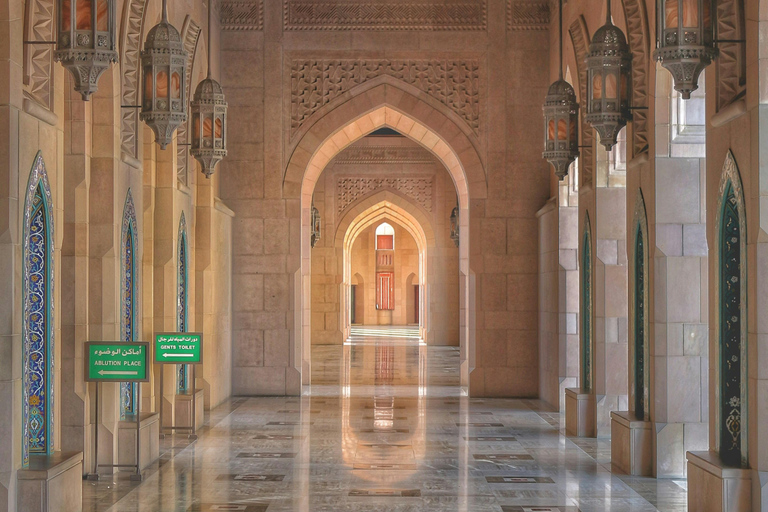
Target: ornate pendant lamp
164,61
86,42
315,225
685,43
561,119
455,225
209,118
609,66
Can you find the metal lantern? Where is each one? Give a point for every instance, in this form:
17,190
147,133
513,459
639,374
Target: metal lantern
164,61
209,119
685,41
455,225
561,120
609,66
86,42
315,226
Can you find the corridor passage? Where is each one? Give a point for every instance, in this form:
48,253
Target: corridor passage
396,434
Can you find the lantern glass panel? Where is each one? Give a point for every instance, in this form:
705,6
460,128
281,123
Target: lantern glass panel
219,127
196,130
671,14
161,84
66,15
691,13
551,130
175,86
207,127
707,17
562,129
83,14
148,96
624,87
102,16
597,86
572,131
610,85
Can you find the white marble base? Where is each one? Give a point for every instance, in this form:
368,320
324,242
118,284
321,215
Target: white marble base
183,407
713,487
149,440
580,413
51,483
631,444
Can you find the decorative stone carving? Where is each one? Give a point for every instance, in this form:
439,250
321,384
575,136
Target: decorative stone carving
384,15
190,33
349,190
133,30
580,41
242,15
731,63
315,83
637,36
527,15
384,154
39,25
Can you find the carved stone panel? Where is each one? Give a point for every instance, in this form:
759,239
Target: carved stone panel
384,154
730,65
242,15
38,58
580,41
133,29
349,190
190,33
455,83
637,34
384,15
527,15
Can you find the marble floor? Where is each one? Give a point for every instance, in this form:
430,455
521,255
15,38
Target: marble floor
388,429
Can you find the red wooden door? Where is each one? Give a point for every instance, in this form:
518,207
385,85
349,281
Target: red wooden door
385,290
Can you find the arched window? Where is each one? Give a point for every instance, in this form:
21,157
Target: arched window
732,333
181,300
385,237
129,299
586,309
38,328
640,355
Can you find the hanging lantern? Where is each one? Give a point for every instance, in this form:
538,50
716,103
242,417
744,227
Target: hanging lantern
86,42
209,118
164,61
455,226
609,66
685,43
315,226
561,120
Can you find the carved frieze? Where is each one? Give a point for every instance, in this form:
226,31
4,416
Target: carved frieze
637,35
580,42
384,15
384,154
454,83
730,64
349,190
527,15
133,28
190,33
38,58
242,15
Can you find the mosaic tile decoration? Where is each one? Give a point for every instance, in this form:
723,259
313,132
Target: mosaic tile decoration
129,295
251,477
182,378
38,330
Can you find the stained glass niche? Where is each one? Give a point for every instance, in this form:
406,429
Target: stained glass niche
639,320
38,396
128,395
586,311
182,377
731,334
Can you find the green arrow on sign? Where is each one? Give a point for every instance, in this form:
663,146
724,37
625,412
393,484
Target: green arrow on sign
104,372
179,347
117,361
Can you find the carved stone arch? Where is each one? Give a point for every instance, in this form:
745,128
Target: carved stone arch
731,200
639,317
37,68
132,28
638,37
731,62
190,34
580,42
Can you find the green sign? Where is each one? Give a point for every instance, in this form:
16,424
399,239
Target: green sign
179,347
115,361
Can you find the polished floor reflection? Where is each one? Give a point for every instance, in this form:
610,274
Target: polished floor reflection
388,430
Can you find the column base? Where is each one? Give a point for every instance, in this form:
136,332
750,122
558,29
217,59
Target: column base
149,440
580,413
631,444
714,487
183,409
51,483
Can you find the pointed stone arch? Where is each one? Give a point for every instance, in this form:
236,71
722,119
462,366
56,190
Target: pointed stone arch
132,28
638,38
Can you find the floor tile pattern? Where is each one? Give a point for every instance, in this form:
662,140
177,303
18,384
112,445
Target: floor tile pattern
399,438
